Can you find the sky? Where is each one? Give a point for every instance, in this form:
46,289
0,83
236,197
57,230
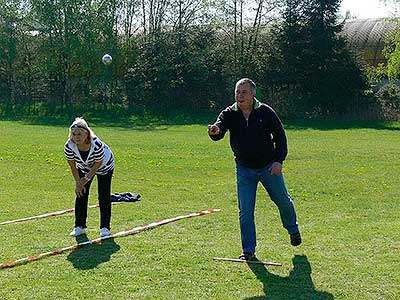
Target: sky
363,9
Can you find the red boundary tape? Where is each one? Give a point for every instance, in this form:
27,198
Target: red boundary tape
51,214
12,263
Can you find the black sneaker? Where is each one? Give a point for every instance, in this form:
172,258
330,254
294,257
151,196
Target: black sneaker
247,256
295,238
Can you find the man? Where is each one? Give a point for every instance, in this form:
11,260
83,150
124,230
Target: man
258,141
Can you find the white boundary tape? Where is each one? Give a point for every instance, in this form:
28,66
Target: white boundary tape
12,263
51,214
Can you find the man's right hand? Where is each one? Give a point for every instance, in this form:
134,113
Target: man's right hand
213,129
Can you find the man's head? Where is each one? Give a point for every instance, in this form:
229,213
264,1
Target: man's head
245,92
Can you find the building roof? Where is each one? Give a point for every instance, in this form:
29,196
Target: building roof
367,37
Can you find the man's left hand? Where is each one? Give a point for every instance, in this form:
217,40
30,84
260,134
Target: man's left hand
276,168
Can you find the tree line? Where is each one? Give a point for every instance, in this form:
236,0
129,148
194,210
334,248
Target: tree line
175,54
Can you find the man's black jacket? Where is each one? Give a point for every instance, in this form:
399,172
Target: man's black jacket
255,142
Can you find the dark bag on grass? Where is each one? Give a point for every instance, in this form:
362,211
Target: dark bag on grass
125,197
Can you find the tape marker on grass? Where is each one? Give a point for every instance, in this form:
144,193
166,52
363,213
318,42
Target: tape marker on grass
268,263
12,263
51,214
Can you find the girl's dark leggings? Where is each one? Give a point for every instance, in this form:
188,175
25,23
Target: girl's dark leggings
104,191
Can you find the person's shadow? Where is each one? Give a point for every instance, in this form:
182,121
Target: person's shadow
91,255
297,286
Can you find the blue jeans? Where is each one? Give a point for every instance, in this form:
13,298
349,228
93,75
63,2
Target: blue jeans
247,180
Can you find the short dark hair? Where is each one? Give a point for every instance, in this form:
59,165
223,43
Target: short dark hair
249,81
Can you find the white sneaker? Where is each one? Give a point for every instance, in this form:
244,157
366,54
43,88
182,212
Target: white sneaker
104,232
77,231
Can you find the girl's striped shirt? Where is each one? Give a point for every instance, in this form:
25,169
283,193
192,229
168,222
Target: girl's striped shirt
98,151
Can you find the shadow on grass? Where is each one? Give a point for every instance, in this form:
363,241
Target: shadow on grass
297,286
134,121
92,255
147,121
339,124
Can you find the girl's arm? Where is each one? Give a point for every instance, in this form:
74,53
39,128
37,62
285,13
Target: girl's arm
74,170
79,187
91,173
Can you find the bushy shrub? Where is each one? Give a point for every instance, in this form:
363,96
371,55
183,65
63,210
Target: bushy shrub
389,99
377,74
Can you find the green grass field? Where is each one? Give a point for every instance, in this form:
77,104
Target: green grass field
344,179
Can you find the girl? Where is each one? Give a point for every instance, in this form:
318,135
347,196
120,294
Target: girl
88,156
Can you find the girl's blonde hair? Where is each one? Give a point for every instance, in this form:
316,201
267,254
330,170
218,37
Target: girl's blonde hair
81,125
